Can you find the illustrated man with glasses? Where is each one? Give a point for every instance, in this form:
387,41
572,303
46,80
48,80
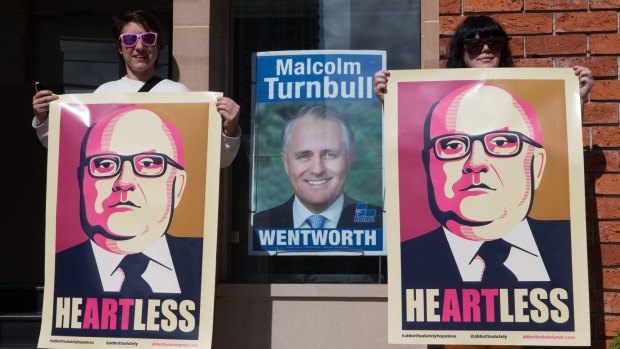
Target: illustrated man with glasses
484,157
132,178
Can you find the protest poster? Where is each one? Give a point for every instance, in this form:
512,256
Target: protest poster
131,227
485,190
317,168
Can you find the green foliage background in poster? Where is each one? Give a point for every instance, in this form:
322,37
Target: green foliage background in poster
365,181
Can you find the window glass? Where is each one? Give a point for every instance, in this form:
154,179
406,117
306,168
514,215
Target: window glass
278,25
76,54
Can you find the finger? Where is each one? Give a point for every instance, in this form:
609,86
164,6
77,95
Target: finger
46,99
584,72
226,114
43,93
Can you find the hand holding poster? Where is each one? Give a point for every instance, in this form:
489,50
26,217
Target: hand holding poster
317,165
486,197
132,220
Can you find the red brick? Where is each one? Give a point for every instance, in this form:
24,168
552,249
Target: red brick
610,255
492,5
611,278
598,160
571,22
443,47
605,90
557,5
608,208
555,44
448,24
526,23
533,62
605,44
609,231
608,184
611,301
585,135
449,7
602,66
612,324
516,46
600,113
604,4
606,136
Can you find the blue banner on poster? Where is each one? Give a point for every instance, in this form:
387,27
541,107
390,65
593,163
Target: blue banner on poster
318,239
316,77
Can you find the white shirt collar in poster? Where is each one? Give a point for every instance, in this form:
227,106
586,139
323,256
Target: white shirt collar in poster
524,259
301,213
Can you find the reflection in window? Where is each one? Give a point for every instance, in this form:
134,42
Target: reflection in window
277,25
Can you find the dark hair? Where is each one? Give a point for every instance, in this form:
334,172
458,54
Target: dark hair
485,27
146,20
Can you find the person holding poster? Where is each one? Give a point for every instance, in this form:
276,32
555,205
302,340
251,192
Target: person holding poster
317,153
481,42
482,173
131,178
139,41
481,187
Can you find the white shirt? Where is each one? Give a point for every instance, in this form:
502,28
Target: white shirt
332,213
159,273
230,145
524,259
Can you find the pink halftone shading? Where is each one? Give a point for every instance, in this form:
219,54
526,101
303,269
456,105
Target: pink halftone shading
414,102
74,121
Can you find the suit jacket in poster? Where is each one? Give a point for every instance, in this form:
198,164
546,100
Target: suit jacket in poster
282,216
427,263
77,276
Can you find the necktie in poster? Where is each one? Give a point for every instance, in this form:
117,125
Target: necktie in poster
317,165
484,173
133,182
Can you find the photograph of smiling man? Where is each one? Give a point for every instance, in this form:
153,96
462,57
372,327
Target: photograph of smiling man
129,243
491,220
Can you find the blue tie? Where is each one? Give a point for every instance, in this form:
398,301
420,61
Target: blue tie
316,221
134,286
494,253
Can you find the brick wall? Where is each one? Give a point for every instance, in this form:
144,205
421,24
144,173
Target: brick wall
562,33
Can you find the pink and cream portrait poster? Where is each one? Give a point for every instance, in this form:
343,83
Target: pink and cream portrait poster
485,204
131,227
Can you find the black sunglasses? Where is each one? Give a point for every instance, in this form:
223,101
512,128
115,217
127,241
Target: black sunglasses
475,46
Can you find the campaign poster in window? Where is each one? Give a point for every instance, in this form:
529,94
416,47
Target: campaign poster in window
132,202
317,165
485,189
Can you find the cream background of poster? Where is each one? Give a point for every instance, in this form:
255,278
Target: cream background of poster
560,195
199,124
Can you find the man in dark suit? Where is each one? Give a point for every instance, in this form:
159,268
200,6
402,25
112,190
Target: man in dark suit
131,178
317,153
484,158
